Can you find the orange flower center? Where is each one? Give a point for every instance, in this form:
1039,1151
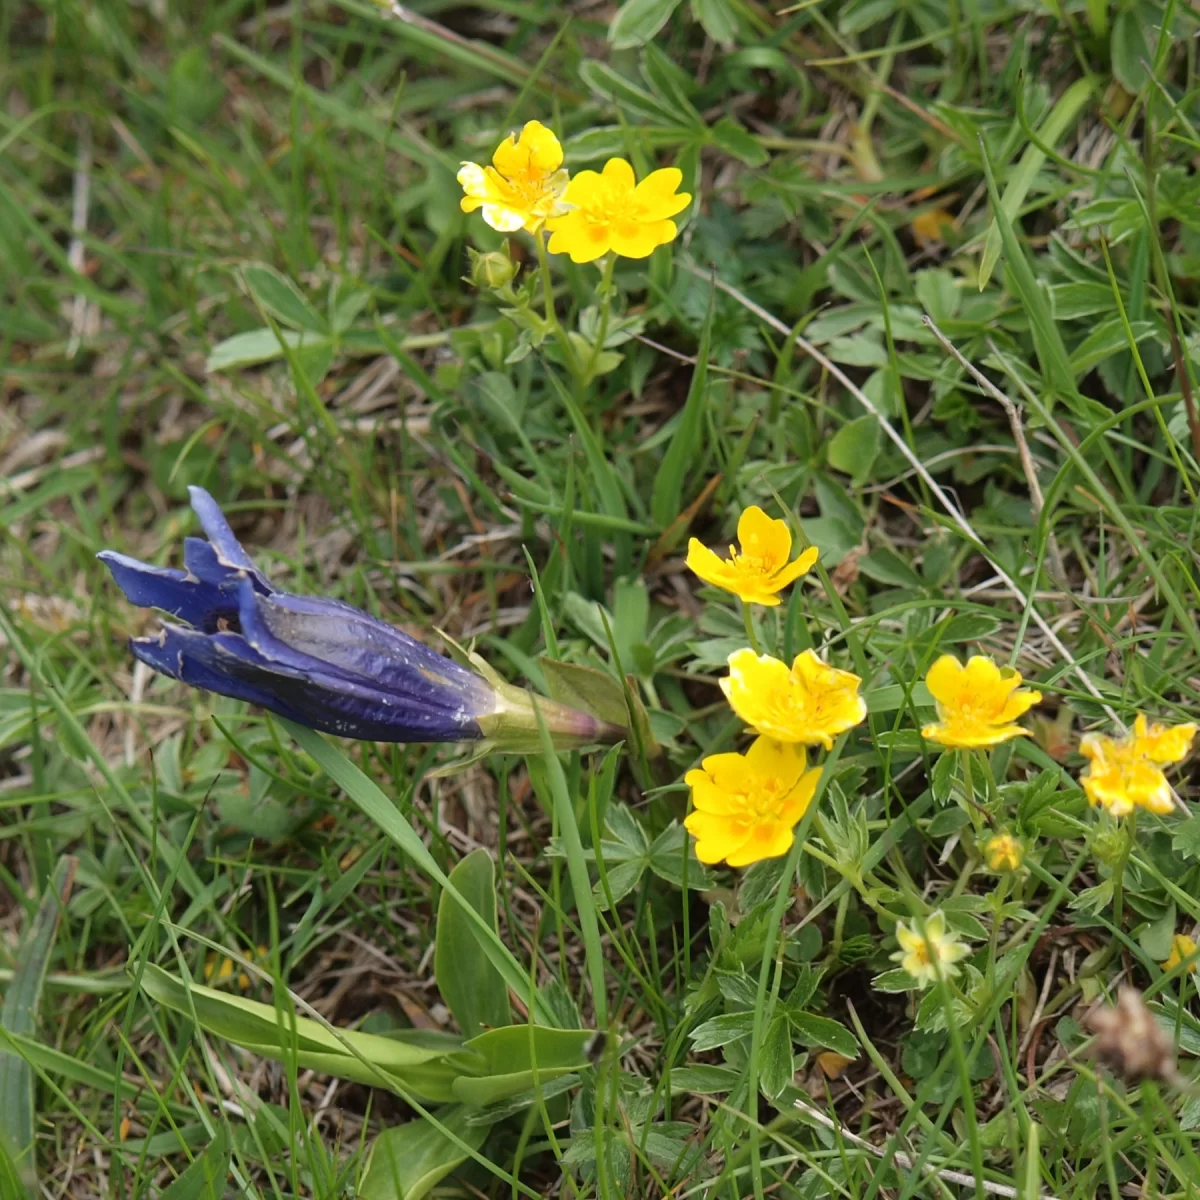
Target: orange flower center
921,953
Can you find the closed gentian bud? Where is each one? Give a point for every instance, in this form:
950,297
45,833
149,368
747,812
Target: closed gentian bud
323,663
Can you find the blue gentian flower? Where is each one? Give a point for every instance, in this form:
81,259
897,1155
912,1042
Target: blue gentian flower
322,663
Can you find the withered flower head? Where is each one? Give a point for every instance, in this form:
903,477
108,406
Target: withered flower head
1130,1042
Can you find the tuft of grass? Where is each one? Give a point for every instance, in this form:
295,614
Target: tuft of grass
935,303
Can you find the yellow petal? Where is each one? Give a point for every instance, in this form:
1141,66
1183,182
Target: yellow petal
943,679
782,760
796,568
536,152
764,538
1163,743
658,196
709,565
619,174
768,840
634,239
1019,703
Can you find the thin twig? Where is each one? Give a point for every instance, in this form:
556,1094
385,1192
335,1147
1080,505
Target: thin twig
905,1163
1018,432
937,490
81,189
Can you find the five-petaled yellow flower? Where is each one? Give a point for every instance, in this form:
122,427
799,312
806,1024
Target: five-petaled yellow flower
1126,773
978,704
746,805
1003,852
760,570
1183,950
925,955
523,187
611,211
809,702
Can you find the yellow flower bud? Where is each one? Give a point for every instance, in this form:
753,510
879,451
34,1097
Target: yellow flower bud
491,270
1003,852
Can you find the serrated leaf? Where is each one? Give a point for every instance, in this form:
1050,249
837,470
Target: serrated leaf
735,139
721,1030
895,981
777,1064
279,296
812,1030
620,879
704,1080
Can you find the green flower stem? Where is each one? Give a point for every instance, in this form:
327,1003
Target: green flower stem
552,320
748,621
606,293
1119,873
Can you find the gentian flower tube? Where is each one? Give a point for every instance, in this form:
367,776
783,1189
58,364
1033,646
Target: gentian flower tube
323,663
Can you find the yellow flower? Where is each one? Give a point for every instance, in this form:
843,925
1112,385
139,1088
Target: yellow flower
1003,852
978,704
523,187
609,211
926,954
1183,949
221,970
746,805
1126,773
810,703
1163,743
761,569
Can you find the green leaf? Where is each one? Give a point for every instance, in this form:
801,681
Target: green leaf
370,799
1132,45
205,1178
521,1057
19,1015
721,1030
420,1063
408,1160
1106,339
812,1030
704,1080
1186,838
604,81
621,879
474,991
777,1065
718,19
735,139
1155,938
1047,341
279,296
637,21
586,688
259,346
686,449
895,981
1060,119
853,448
668,855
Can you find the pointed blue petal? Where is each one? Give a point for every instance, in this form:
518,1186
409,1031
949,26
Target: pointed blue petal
216,529
227,664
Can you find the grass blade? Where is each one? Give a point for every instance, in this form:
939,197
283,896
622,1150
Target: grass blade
20,1013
